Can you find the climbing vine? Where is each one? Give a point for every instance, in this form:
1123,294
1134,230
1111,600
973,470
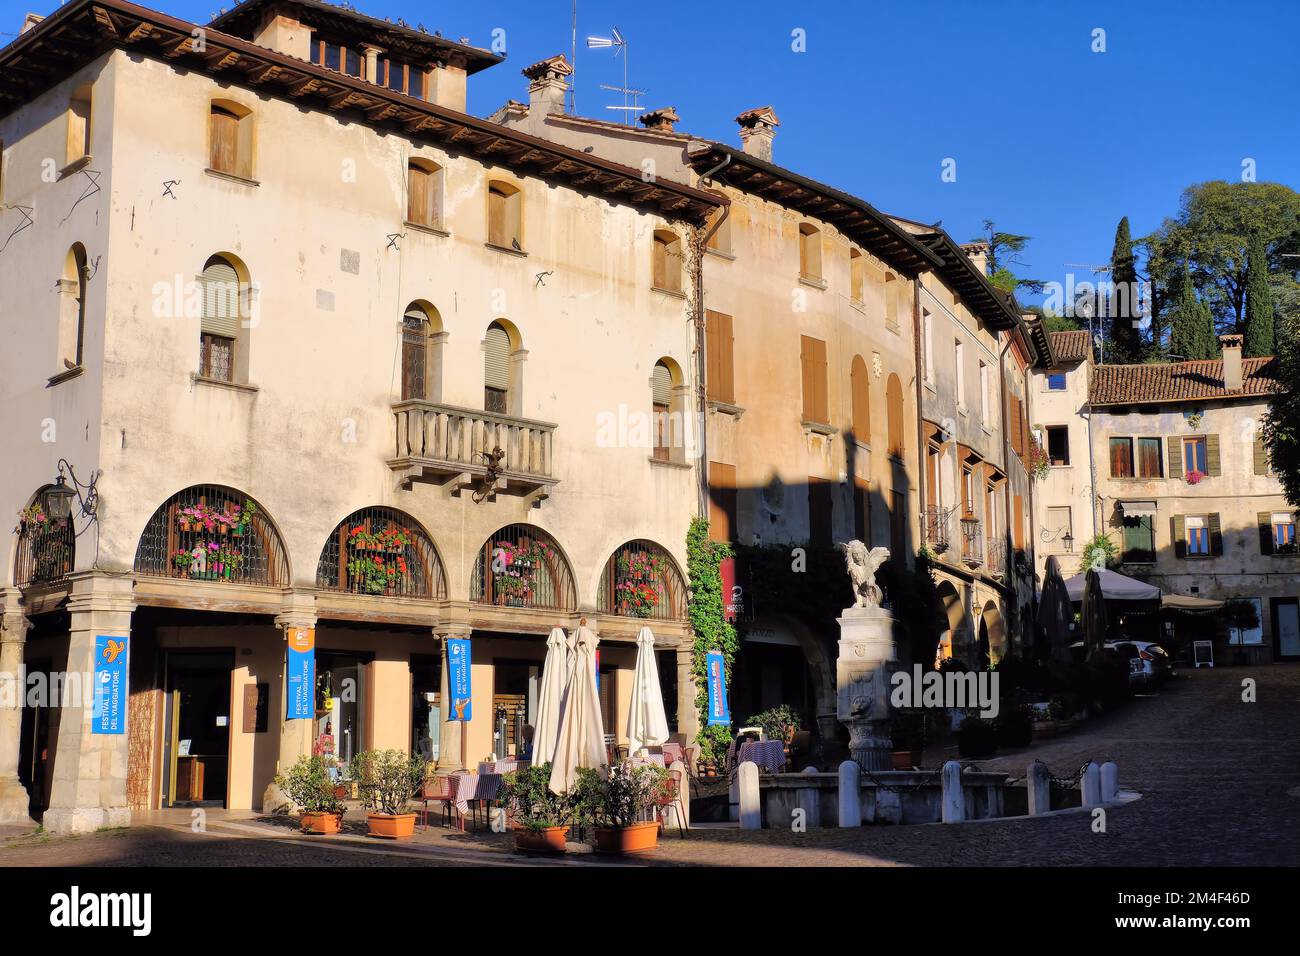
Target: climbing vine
709,623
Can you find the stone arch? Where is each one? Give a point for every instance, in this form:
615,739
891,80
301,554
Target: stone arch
521,565
641,579
950,622
381,551
993,633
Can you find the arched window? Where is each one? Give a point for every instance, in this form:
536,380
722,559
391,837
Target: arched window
230,137
212,533
505,215
72,307
424,193
667,265
422,339
642,580
46,546
894,401
381,551
810,252
668,412
224,330
522,566
860,384
499,391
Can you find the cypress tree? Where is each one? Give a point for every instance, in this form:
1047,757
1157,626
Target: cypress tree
1126,337
1259,300
1187,337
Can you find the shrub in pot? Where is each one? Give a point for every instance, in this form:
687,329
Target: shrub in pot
616,804
778,723
387,780
542,816
1015,726
977,738
308,784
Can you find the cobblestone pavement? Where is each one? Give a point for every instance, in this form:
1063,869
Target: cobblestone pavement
1219,778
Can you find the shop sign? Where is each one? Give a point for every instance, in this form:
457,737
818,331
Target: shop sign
719,712
300,679
108,715
458,679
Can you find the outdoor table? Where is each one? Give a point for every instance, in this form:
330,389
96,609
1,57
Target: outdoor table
503,766
769,755
649,760
473,786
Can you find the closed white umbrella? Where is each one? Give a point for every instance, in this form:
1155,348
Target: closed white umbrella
647,724
555,673
580,741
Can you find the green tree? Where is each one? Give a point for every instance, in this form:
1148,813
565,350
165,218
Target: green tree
1259,300
1004,252
1126,345
1192,333
1282,423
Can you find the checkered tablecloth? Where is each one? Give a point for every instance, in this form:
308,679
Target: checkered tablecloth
649,760
503,766
474,786
768,754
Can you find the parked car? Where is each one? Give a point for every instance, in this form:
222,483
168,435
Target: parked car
1149,664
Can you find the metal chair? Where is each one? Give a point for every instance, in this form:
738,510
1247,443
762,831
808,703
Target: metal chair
670,797
437,788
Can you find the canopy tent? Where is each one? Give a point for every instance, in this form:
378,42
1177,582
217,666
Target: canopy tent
647,724
1055,615
554,674
1114,587
580,740
1185,602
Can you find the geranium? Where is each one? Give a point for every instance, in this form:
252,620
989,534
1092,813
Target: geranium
1039,464
33,517
638,584
1194,477
393,539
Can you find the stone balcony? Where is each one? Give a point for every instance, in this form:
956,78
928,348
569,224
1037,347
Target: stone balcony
444,444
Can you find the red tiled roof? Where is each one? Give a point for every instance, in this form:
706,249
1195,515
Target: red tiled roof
1070,346
1178,381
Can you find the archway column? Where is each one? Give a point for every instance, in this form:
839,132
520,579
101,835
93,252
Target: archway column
14,624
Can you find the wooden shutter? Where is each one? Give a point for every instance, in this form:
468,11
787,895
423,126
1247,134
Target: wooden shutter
224,131
1265,519
719,343
221,298
496,216
496,364
812,359
862,509
1216,534
1175,456
1148,455
1261,456
860,385
1178,532
414,355
419,183
1212,456
894,401
820,510
1121,457
722,501
1018,503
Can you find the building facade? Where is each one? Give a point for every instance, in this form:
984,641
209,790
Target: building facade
347,365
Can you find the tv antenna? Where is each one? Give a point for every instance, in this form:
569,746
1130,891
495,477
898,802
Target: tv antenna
631,97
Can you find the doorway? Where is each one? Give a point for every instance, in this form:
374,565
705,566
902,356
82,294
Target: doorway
1286,629
196,728
38,736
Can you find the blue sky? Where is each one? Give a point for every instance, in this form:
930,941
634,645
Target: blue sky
1050,139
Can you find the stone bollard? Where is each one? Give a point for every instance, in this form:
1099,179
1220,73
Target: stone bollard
809,799
1109,781
684,793
1039,780
954,800
850,794
1090,785
751,809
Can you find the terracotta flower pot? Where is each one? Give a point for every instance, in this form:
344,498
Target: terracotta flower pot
545,840
391,826
321,822
905,759
637,838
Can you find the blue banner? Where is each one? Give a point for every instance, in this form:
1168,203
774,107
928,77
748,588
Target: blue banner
719,712
458,679
108,715
300,674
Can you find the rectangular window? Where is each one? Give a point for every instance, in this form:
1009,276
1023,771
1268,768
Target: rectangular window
215,357
1194,458
1139,539
722,501
959,358
819,511
812,357
719,344
1121,458
891,301
1283,532
662,430
1058,444
1056,382
79,125
810,252
1198,534
967,491
927,326
1148,463
1249,635
984,394
857,275
862,509
424,194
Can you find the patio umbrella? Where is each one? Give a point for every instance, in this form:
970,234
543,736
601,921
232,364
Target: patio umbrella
1114,587
554,674
580,739
1054,616
647,724
1093,615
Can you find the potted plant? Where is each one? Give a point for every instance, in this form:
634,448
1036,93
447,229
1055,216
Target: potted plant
617,803
637,583
182,560
387,779
309,784
542,817
778,723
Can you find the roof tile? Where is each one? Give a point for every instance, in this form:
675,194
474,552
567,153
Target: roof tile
1179,381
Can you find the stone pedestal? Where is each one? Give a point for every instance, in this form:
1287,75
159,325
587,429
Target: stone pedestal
866,659
450,734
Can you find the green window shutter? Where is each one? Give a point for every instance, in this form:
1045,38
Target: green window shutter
1178,531
221,297
1261,456
1216,535
662,389
1212,456
1174,464
496,363
1265,531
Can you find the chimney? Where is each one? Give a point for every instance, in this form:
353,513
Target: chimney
1231,345
978,253
548,84
284,35
661,120
757,129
